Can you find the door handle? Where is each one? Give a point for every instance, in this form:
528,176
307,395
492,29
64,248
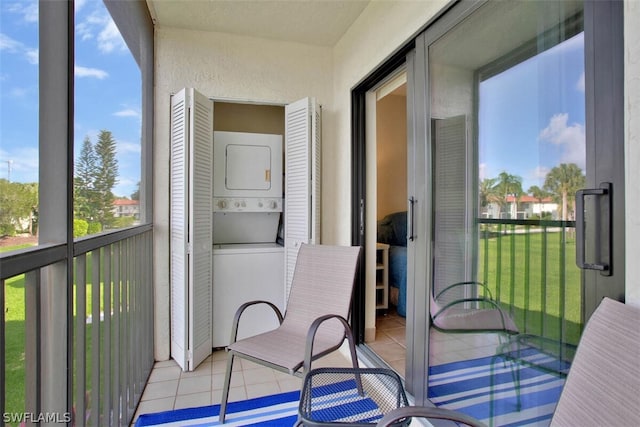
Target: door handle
412,203
602,224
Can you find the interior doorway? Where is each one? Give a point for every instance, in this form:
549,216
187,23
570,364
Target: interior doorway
387,221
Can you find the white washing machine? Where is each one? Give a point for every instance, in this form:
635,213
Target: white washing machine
241,273
248,264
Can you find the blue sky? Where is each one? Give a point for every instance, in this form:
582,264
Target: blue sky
107,86
532,116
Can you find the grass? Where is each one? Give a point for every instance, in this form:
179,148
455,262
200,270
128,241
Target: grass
15,332
537,280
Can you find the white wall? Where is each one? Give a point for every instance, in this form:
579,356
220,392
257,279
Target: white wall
228,67
382,28
632,147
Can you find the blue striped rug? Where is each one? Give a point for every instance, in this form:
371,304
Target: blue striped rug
484,388
335,400
273,410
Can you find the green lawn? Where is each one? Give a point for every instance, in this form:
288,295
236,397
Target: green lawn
537,279
15,336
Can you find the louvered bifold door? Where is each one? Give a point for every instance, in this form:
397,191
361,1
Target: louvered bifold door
302,180
191,227
201,232
178,227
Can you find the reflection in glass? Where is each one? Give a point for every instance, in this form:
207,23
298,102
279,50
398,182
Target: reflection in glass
508,147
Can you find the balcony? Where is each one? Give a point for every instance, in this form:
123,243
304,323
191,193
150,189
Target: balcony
107,335
530,268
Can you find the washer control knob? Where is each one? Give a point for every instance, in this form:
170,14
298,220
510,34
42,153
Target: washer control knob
273,204
236,204
222,204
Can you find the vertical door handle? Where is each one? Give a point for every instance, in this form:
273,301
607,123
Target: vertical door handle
361,217
602,222
412,203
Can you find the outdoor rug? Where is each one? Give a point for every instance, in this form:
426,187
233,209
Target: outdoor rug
274,410
484,388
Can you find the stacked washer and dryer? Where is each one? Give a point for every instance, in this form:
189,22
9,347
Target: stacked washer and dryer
248,260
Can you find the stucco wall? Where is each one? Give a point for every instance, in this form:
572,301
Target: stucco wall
382,28
227,66
632,150
221,66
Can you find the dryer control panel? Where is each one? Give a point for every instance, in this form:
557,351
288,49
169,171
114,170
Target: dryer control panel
247,204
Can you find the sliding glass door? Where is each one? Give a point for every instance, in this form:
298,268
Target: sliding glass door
514,187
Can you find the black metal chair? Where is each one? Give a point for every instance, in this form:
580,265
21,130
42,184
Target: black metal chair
350,397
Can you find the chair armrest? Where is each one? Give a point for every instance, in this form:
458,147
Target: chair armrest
242,308
467,283
491,302
430,413
311,334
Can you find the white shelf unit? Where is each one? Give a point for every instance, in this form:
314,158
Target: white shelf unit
382,276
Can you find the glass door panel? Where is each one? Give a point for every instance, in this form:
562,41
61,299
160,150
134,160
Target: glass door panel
507,103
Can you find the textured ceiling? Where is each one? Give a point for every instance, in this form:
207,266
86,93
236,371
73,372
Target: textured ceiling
316,22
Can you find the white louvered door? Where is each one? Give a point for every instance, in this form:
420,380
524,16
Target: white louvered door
191,232
451,195
178,227
302,180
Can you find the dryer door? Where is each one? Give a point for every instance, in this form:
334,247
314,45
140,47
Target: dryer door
248,167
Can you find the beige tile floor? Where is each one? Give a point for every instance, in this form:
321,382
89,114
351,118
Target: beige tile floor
391,345
169,388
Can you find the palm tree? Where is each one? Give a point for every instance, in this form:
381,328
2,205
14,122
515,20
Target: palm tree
487,193
563,181
508,185
539,194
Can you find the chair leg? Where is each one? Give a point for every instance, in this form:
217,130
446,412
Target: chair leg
354,360
225,387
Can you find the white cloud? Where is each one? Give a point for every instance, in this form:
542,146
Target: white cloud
33,56
10,45
79,4
125,147
580,83
110,39
540,172
482,171
127,112
570,137
28,10
90,72
100,27
538,175
18,92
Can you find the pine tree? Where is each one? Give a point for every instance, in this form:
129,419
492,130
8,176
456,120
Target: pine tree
84,179
106,176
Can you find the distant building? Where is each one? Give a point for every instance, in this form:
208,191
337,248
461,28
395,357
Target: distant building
126,207
524,207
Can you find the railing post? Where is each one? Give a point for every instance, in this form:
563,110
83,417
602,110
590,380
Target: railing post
32,343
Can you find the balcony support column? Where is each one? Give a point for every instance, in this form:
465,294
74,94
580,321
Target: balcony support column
56,26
